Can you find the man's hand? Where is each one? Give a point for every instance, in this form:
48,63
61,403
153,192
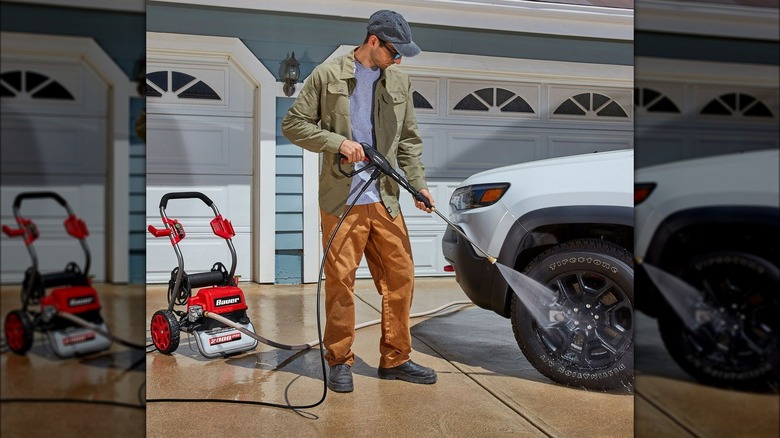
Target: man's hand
422,206
352,150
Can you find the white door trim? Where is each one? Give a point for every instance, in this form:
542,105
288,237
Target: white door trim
455,65
497,15
37,46
162,46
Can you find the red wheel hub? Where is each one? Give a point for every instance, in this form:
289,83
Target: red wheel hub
14,332
161,332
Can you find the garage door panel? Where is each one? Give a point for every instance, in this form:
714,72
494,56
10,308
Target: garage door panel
53,145
201,248
425,252
472,151
222,88
434,142
559,146
76,77
196,144
661,148
415,218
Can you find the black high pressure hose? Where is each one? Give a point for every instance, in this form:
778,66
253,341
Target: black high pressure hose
374,176
379,164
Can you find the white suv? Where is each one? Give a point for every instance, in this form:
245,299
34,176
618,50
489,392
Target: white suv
715,224
568,223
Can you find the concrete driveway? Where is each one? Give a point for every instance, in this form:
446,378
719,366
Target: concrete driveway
485,388
670,403
104,390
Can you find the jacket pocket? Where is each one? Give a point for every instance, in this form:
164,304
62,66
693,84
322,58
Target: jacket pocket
337,98
393,110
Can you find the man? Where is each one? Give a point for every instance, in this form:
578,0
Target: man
364,97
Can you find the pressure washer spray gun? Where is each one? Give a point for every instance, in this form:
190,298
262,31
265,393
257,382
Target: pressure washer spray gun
377,161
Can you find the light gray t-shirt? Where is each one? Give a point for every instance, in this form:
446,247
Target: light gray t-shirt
361,110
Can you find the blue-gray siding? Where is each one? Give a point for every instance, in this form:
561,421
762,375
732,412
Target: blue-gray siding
706,48
289,204
137,242
120,34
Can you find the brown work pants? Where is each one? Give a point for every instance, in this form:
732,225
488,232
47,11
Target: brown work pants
371,230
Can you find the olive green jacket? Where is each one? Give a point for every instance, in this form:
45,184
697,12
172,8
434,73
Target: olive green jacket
324,99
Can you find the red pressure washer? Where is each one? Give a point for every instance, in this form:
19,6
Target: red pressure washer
62,313
216,314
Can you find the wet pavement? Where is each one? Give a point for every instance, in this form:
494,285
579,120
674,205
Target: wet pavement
485,388
670,403
485,385
105,388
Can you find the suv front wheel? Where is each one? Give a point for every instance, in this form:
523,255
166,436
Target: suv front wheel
587,338
738,346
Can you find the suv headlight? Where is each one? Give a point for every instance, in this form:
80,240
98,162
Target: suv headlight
480,195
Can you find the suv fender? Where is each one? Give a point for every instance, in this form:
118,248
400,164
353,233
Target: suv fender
522,239
731,216
733,225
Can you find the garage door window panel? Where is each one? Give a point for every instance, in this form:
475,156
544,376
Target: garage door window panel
184,86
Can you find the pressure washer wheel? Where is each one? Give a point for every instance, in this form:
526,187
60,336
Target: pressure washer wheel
165,331
18,331
588,339
738,346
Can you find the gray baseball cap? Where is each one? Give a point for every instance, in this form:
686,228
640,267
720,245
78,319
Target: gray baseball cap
390,26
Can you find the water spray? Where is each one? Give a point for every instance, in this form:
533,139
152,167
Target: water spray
686,301
541,298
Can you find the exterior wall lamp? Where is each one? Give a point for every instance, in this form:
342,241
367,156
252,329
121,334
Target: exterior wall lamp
292,72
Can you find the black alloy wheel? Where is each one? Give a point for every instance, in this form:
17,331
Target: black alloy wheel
586,336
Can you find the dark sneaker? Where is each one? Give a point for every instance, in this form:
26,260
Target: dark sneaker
409,372
340,378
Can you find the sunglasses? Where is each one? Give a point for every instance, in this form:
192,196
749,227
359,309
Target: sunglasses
392,52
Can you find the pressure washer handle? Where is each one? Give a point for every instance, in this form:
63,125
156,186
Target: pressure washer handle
185,195
33,195
157,232
343,158
13,232
376,159
417,195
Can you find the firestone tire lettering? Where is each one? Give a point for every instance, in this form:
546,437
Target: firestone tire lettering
605,259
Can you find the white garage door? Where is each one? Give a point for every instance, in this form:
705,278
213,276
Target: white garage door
54,138
200,137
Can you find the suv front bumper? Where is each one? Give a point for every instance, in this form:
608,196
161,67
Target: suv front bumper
478,278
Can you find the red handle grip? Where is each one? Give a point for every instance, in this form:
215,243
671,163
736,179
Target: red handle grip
222,227
159,232
13,232
76,227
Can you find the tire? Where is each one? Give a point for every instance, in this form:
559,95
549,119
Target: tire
18,328
588,339
738,347
165,331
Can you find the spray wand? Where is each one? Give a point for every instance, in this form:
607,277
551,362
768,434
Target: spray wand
538,298
377,161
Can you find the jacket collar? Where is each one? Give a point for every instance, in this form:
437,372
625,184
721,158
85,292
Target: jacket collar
348,65
389,74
